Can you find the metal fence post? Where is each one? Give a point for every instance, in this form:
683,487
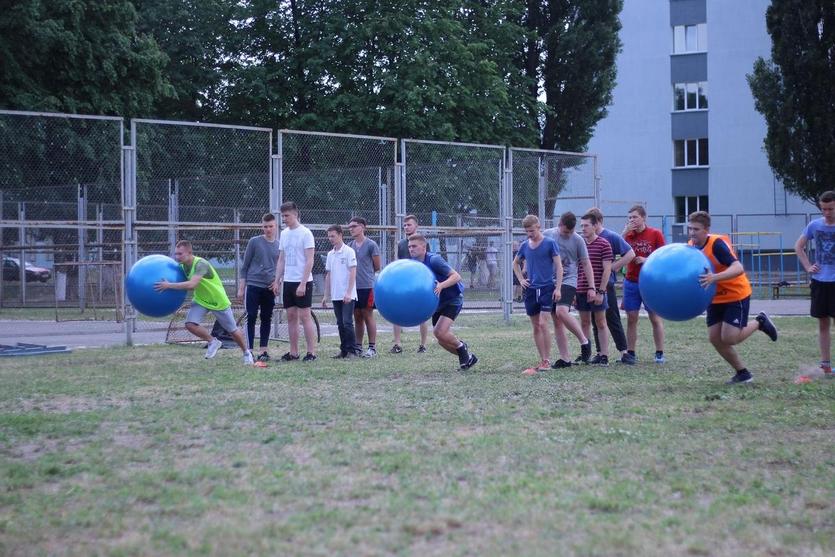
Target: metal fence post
21,237
129,240
82,248
507,226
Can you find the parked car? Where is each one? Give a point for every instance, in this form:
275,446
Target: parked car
11,270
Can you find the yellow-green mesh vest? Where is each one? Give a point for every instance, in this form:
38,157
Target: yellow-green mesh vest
209,292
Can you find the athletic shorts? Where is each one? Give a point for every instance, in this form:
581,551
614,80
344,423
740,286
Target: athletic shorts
584,305
732,313
223,316
567,293
632,299
538,300
293,301
823,299
365,299
450,309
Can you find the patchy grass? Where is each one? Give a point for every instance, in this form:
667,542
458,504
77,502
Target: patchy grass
155,451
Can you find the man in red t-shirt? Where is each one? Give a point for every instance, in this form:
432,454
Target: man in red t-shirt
644,240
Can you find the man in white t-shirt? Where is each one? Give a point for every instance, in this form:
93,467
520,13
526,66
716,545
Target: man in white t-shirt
295,263
341,287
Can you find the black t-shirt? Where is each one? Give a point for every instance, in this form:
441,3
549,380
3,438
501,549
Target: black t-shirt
403,249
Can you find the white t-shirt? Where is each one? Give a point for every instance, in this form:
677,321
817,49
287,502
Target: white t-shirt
293,242
338,265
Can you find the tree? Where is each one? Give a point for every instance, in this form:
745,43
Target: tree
795,92
78,56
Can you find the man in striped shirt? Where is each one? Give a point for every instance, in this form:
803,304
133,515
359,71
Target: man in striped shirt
591,291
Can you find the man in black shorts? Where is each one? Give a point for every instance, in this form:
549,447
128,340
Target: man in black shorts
450,300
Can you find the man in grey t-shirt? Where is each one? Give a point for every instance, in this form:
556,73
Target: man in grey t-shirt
256,286
368,263
410,226
573,253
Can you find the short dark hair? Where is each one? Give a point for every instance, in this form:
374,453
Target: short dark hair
827,197
638,209
184,244
598,214
335,228
591,216
701,217
359,220
418,238
268,217
288,206
411,217
568,220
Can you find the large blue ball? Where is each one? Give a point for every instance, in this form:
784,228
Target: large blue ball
405,293
669,282
139,286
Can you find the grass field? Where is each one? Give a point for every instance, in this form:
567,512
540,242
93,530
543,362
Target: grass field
155,451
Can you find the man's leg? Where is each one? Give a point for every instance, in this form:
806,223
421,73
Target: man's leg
397,339
559,335
613,319
541,337
348,321
293,329
370,325
199,331
631,330
359,324
716,334
657,331
340,326
309,329
267,308
446,338
251,301
424,333
824,338
600,318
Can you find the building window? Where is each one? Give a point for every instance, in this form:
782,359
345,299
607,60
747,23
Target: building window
690,96
689,38
690,152
685,205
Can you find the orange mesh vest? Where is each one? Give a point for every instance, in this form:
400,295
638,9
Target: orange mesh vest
731,290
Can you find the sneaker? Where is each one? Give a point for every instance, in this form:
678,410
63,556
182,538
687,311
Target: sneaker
287,357
370,353
827,370
544,365
309,357
421,349
248,359
767,325
559,364
340,356
212,348
263,357
660,359
463,354
629,359
396,349
473,360
741,377
600,360
585,354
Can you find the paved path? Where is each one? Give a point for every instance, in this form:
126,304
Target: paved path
89,334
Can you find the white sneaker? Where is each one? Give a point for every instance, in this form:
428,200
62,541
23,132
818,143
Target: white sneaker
370,353
214,346
248,359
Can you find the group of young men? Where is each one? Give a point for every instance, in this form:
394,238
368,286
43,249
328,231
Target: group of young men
564,268
283,265
561,268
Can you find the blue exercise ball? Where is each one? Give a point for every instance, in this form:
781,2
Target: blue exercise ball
139,286
405,293
669,282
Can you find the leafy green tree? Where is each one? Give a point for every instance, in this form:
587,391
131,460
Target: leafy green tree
78,56
795,92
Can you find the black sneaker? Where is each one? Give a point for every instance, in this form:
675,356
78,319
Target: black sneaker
396,349
628,359
767,325
287,357
263,357
471,361
308,357
600,360
340,356
741,377
463,355
559,364
421,349
585,354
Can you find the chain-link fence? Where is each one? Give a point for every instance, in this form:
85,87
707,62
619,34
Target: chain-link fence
79,204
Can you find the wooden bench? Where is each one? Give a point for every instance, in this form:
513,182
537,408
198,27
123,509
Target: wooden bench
788,289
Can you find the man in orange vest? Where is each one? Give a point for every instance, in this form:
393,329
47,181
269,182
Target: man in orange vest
727,314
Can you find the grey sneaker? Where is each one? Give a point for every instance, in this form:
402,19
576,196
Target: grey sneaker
370,353
214,346
248,359
421,349
659,358
767,325
396,349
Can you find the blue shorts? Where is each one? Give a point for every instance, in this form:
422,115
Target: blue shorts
450,309
632,296
732,313
582,303
538,300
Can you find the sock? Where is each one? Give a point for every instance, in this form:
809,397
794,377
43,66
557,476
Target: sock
372,345
632,352
659,353
743,370
461,349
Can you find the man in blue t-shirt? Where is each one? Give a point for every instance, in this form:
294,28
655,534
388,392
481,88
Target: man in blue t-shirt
450,294
822,272
619,248
542,261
